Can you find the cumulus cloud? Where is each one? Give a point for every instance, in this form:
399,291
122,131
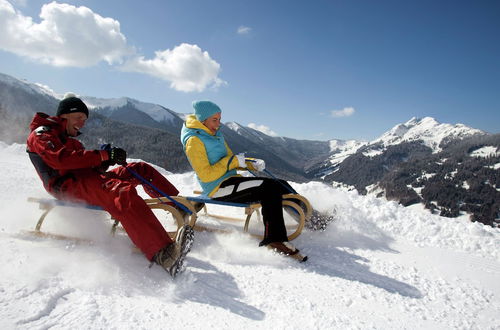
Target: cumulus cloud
262,128
66,35
186,67
244,29
69,36
346,112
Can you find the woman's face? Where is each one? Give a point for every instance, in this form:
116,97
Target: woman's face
213,122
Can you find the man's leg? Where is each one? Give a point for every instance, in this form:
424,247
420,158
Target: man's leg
120,199
149,173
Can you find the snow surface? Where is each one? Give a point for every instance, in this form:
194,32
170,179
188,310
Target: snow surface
340,150
379,266
488,151
340,146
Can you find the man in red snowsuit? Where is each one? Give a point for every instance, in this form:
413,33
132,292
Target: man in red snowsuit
69,172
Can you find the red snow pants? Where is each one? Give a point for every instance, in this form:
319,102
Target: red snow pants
115,192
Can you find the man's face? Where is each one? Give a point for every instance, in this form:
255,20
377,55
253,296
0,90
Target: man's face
74,122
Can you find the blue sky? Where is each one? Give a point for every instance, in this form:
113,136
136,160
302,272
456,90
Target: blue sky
314,70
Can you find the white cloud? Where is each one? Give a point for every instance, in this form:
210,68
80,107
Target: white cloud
262,128
346,112
244,29
187,68
78,37
66,35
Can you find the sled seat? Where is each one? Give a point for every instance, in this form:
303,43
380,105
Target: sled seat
48,204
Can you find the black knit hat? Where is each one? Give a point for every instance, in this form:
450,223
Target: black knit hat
71,104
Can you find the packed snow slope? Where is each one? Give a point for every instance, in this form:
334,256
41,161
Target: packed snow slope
379,266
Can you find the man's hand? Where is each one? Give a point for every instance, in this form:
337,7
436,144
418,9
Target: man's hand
117,156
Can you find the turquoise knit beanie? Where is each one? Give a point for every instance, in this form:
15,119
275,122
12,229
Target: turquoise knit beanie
205,109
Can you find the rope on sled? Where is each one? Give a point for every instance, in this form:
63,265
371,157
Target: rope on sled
143,180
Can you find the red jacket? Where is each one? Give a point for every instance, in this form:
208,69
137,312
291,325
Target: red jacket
57,156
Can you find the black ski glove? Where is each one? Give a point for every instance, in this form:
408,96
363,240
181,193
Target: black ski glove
117,156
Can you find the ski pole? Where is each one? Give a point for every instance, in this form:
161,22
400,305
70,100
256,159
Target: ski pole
143,180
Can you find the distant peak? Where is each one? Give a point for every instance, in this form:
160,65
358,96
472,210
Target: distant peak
427,129
414,121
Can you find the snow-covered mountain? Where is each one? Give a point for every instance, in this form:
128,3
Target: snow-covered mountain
155,111
135,112
135,130
29,87
378,266
19,100
315,159
428,130
153,135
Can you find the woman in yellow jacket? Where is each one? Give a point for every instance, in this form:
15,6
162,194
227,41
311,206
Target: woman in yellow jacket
215,166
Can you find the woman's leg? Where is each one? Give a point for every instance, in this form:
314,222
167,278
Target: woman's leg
268,192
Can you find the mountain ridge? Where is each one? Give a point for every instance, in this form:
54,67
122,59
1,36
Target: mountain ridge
151,132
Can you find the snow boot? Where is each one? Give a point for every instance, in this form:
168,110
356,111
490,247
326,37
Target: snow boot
284,248
287,249
171,257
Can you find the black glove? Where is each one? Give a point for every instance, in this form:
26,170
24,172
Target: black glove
117,156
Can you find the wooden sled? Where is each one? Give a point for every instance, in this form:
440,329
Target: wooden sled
296,204
48,204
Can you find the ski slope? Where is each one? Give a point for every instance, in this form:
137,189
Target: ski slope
379,266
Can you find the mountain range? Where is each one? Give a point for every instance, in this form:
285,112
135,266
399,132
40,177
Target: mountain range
410,163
